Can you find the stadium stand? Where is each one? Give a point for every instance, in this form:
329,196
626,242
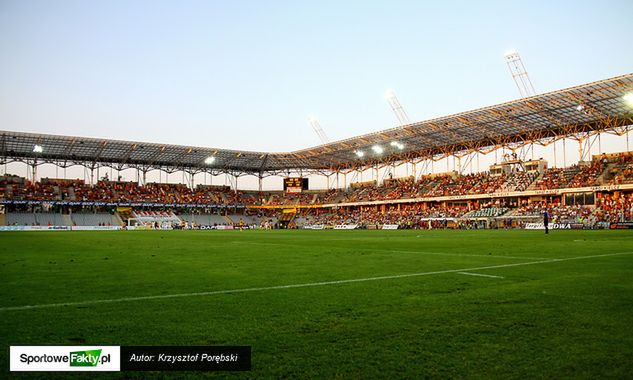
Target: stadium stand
155,218
37,203
38,219
21,219
94,219
488,212
600,187
203,219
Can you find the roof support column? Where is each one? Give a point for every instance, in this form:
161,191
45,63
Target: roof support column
599,144
34,169
581,152
478,154
192,177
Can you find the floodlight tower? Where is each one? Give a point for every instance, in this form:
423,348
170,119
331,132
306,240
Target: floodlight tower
397,108
319,131
519,73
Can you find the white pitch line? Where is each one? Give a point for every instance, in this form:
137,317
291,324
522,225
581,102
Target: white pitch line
480,275
304,285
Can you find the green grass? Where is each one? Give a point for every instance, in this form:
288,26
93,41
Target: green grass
559,319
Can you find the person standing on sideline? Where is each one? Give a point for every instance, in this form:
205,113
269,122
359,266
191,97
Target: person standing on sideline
546,221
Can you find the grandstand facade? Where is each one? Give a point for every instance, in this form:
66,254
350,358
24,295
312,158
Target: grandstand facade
595,192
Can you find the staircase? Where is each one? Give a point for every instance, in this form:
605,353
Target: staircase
533,184
287,217
124,213
67,221
118,219
604,177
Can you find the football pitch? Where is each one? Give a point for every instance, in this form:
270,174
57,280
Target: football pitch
332,304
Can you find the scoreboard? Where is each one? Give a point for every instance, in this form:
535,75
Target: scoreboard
295,184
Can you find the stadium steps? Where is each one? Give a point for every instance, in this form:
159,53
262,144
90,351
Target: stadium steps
595,211
600,178
67,220
533,184
604,177
71,193
339,198
118,219
227,219
287,217
124,215
3,220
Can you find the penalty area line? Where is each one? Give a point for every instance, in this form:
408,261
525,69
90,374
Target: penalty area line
303,285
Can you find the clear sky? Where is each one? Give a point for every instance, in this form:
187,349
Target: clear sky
246,74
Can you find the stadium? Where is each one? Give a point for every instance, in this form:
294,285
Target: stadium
388,254
595,192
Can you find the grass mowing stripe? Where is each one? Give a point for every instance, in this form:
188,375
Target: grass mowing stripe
467,255
304,285
401,251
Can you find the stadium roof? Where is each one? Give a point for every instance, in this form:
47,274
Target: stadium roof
584,109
